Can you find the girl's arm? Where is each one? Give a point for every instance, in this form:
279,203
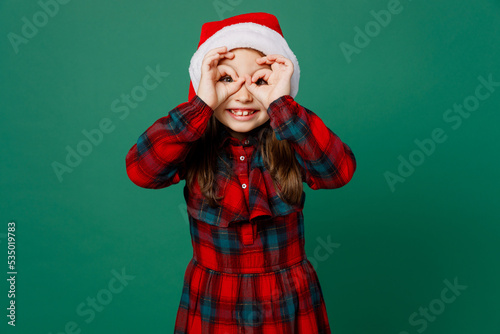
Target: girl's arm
326,162
157,159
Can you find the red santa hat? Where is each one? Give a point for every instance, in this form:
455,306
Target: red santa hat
260,31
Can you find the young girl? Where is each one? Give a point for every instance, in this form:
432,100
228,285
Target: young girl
244,147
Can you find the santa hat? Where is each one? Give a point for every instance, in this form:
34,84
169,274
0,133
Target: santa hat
260,31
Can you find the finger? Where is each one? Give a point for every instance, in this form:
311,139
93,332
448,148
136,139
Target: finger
275,56
207,58
220,49
264,60
248,80
211,60
283,65
219,52
228,55
214,60
235,86
263,73
239,82
279,59
261,59
223,52
227,70
251,86
285,61
267,75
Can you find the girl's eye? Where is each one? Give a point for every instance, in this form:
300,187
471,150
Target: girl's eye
261,82
226,78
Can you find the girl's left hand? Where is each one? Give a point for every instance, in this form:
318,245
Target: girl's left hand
277,78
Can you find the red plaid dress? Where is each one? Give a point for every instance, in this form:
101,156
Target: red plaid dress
249,272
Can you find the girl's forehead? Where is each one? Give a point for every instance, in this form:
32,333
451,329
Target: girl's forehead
244,58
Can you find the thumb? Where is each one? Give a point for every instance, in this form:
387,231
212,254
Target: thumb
251,86
235,86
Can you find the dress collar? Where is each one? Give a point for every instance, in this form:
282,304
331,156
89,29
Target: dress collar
224,137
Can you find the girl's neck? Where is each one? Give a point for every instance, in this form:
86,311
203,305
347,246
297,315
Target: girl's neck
237,135
242,136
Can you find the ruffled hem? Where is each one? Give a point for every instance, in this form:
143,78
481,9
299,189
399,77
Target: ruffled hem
287,301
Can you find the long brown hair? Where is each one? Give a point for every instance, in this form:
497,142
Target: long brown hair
277,155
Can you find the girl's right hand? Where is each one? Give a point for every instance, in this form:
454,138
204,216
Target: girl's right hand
211,90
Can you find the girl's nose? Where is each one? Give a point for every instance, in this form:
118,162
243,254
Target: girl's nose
243,94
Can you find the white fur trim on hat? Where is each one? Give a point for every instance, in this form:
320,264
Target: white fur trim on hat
242,35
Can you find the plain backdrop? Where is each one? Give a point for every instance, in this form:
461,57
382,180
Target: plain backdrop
421,213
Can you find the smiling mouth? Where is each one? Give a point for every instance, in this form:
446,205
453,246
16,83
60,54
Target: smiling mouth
242,112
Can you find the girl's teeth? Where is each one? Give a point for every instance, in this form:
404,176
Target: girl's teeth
241,113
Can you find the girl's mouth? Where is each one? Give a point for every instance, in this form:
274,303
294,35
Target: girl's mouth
242,114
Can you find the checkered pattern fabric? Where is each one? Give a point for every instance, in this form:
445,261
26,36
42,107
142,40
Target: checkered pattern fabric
249,272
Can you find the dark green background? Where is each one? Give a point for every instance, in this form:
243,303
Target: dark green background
395,248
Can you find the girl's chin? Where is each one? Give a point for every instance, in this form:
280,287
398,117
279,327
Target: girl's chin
240,129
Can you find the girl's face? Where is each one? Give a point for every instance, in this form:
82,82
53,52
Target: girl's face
242,64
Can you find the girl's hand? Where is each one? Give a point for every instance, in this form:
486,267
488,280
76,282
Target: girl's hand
212,91
277,78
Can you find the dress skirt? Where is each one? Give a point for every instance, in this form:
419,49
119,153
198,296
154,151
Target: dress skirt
251,277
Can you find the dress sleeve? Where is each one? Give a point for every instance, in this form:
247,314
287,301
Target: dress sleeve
325,161
157,159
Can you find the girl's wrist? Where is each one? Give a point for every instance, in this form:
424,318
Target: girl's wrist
207,101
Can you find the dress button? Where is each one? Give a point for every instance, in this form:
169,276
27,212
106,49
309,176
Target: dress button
247,141
244,185
242,158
